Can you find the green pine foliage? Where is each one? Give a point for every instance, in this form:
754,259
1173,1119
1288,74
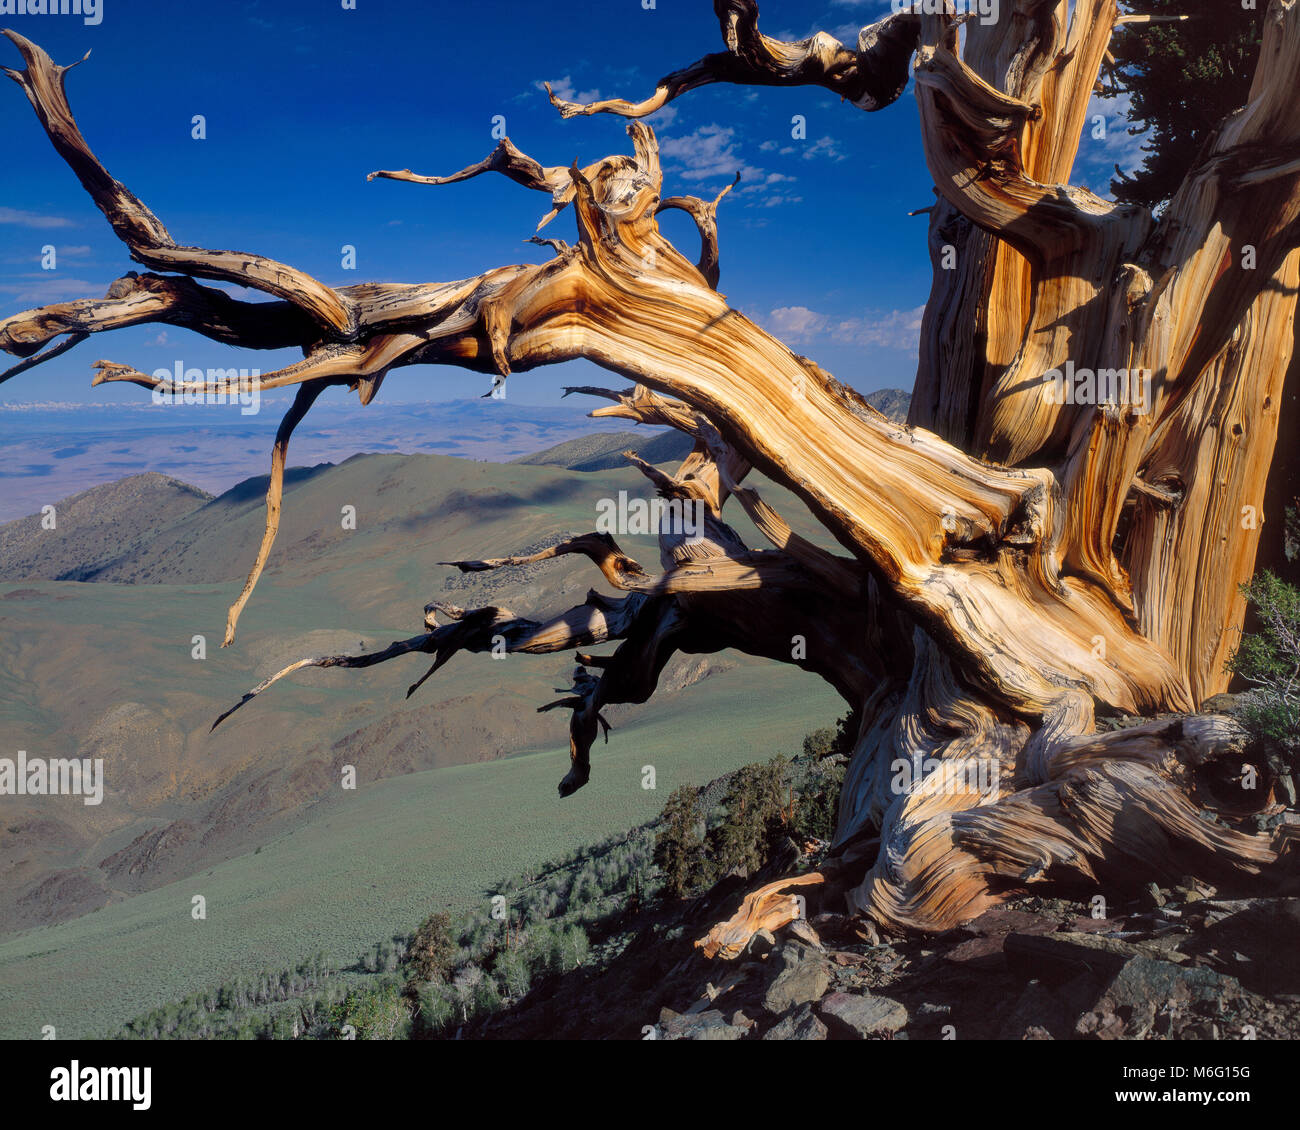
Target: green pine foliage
758,816
1269,660
679,843
376,1013
818,802
1184,78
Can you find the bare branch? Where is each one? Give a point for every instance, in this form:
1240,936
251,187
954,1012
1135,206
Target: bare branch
302,402
510,162
871,77
171,300
705,215
150,243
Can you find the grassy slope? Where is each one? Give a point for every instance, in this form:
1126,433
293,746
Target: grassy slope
103,521
104,669
376,862
602,452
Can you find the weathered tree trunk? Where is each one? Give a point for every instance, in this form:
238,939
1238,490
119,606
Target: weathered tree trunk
1015,559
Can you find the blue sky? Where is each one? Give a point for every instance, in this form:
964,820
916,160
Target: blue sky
302,98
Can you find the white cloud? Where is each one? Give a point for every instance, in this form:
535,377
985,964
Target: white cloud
44,290
663,117
796,325
848,33
35,255
564,89
707,152
824,147
893,329
896,329
32,219
711,153
766,181
1095,164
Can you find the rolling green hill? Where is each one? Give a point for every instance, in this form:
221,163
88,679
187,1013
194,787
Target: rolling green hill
107,669
98,526
366,864
604,451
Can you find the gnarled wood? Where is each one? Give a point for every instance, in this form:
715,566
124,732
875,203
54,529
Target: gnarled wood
1014,560
768,908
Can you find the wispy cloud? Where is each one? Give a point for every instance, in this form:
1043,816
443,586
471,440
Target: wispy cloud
796,325
35,255
1095,165
848,33
33,219
706,153
662,117
44,287
892,329
711,153
564,88
767,180
769,194
826,147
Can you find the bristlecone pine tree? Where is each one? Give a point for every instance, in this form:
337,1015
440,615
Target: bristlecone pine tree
1014,560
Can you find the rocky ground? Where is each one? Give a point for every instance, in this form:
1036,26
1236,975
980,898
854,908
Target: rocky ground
1186,961
1181,963
1035,970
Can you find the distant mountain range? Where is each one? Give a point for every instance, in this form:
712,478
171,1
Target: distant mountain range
59,450
893,402
100,526
56,450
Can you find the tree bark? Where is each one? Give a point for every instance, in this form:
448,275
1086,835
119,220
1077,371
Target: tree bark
1015,559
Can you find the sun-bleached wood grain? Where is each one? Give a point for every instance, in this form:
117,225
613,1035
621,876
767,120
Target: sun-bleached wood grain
1009,565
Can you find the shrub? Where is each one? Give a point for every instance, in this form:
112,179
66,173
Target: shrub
432,952
569,950
1269,660
376,1014
757,816
513,974
819,798
820,743
486,999
679,844
435,1008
